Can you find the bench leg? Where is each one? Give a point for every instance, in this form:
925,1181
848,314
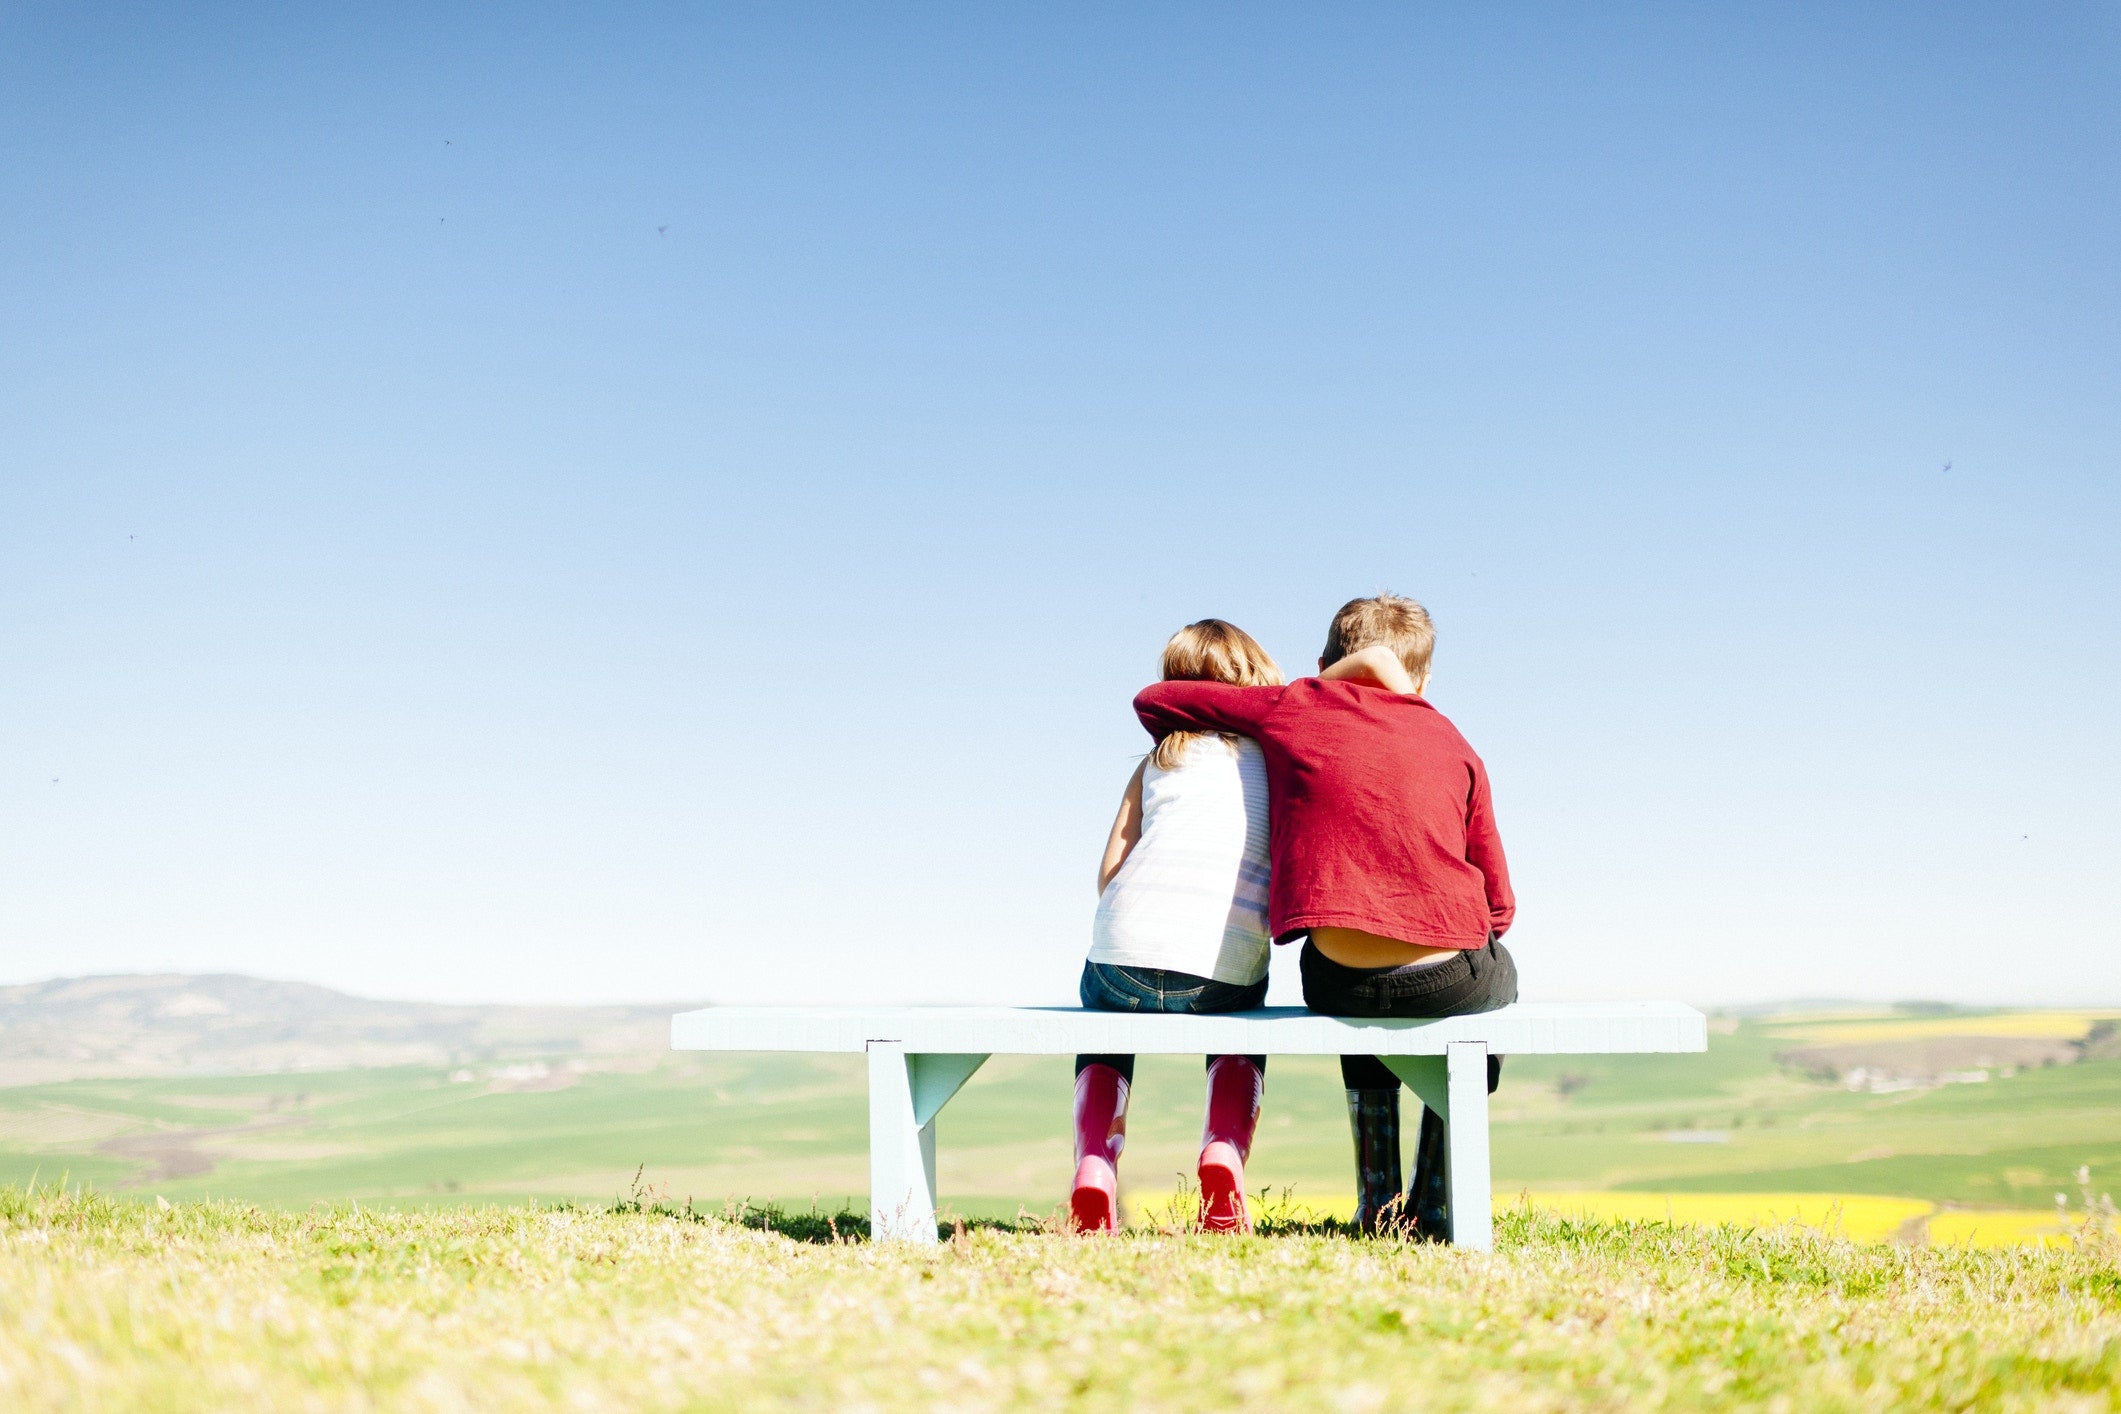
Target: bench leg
905,1093
901,1152
1455,1086
1466,1143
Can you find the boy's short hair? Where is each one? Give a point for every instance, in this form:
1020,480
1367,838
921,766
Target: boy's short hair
1397,622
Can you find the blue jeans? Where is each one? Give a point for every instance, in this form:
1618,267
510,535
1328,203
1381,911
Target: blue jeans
1109,988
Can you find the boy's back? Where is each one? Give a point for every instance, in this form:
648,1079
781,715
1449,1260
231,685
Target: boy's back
1385,853
1381,819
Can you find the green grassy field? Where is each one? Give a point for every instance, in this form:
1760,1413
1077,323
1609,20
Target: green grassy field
109,1305
792,1128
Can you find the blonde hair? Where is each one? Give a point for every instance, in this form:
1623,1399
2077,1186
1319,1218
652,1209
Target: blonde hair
1211,651
1397,622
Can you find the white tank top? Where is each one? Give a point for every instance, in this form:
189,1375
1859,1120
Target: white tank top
1192,896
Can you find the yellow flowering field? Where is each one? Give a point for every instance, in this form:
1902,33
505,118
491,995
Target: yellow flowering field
2032,1025
1859,1217
2016,1227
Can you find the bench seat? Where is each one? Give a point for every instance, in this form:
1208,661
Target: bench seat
920,1056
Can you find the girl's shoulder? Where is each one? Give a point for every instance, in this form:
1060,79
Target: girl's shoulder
1209,752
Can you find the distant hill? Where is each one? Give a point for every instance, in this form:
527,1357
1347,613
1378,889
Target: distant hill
223,1024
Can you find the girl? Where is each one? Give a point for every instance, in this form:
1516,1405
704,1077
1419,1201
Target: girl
1182,926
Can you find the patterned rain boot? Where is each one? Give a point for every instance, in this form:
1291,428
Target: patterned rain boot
1374,1116
1429,1196
1100,1134
1235,1084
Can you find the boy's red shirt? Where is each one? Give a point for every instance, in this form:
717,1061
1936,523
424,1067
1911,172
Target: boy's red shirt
1380,813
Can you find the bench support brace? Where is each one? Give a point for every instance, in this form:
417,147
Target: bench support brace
1455,1085
906,1092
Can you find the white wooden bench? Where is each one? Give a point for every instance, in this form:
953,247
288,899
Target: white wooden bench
920,1056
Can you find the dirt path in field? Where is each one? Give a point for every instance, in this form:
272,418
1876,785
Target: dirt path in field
177,1153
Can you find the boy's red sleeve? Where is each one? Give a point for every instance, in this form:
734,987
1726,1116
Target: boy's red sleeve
1167,707
1484,852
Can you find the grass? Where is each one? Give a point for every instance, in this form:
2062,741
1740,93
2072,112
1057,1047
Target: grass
221,1306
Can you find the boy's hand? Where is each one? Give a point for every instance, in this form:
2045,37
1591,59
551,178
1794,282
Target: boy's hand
1376,664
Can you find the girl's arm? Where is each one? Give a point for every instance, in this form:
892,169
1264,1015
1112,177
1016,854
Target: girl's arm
1126,829
1377,664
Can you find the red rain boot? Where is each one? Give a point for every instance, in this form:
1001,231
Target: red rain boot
1100,1133
1234,1087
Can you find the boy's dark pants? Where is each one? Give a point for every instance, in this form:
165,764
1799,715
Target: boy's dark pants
1480,979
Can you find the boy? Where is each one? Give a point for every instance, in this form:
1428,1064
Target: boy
1385,858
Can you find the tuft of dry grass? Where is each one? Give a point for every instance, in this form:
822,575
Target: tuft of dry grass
210,1306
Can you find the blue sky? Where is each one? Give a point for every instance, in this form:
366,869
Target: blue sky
613,502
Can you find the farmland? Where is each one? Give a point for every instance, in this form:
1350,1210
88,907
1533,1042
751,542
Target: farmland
1742,1119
